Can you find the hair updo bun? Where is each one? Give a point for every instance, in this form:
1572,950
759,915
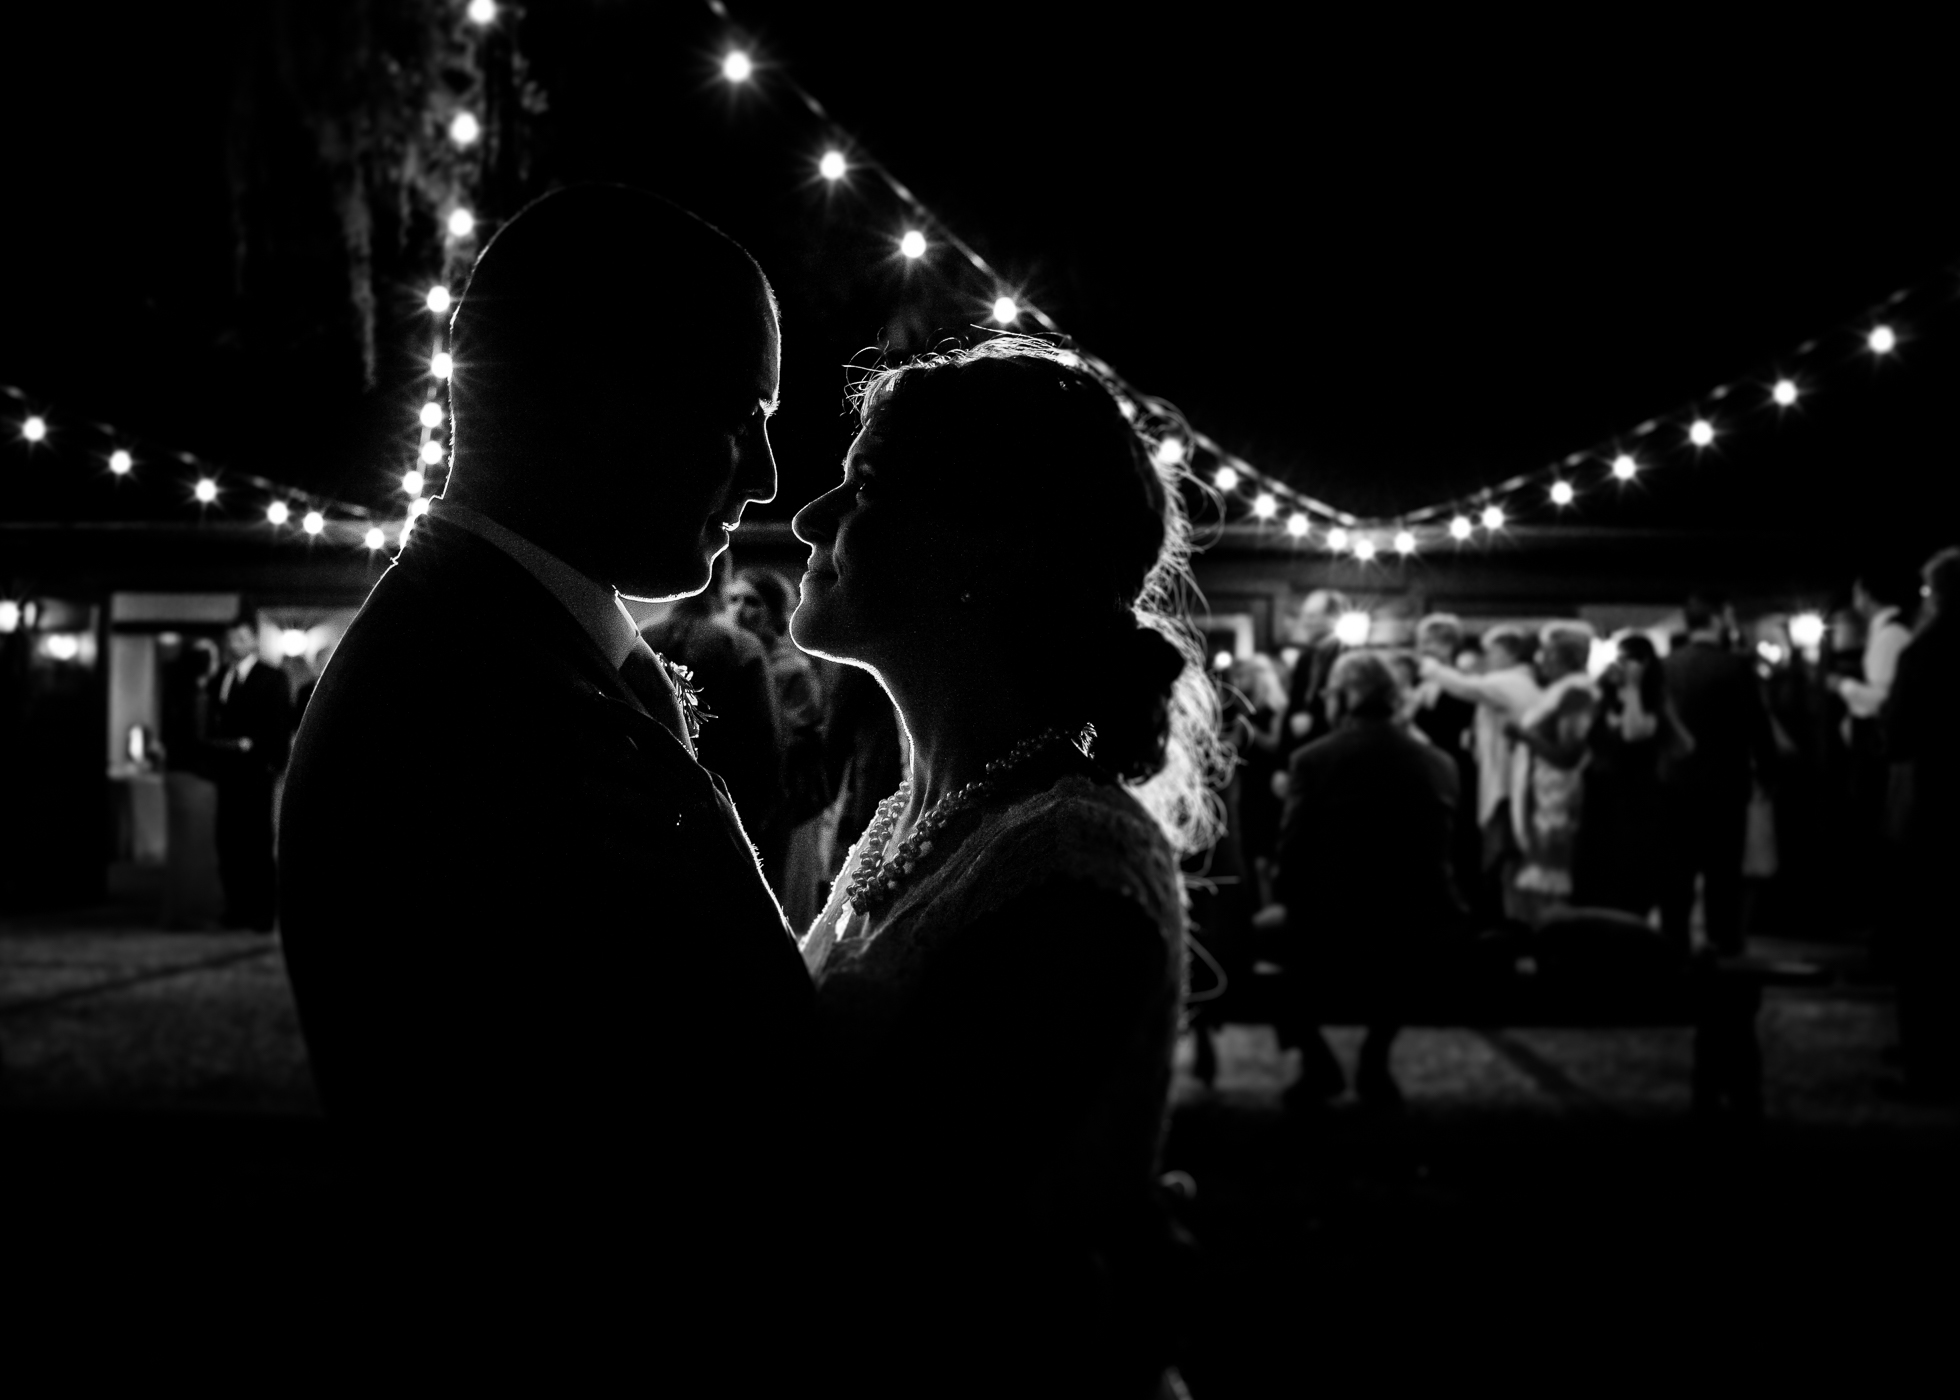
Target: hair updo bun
1086,487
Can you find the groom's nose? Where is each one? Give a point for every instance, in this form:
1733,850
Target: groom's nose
756,470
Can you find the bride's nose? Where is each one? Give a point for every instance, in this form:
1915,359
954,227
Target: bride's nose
816,523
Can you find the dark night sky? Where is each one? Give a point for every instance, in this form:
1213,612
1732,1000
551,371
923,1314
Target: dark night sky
1386,256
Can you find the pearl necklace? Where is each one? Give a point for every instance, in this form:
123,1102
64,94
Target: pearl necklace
878,876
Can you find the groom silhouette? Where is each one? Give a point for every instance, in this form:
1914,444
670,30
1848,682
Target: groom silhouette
544,987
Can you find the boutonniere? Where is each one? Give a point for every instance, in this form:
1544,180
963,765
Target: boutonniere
692,712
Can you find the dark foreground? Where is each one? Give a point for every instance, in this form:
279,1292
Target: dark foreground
1544,1212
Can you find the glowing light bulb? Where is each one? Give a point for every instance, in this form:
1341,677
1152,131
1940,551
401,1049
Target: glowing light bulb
1225,478
438,299
206,490
1337,539
432,414
832,166
482,11
121,463
1624,467
1784,391
462,223
412,482
1460,527
374,539
465,130
1005,310
1351,629
1807,630
913,245
1562,493
431,452
1221,661
1701,432
34,428
1364,550
1883,340
418,507
1265,505
1297,525
314,522
1770,652
1405,542
9,615
737,67
442,364
1493,517
1127,409
292,642
1170,451
277,512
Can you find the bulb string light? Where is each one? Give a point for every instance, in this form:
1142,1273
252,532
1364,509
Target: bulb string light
1274,506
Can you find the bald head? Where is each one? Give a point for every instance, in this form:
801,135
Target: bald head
616,362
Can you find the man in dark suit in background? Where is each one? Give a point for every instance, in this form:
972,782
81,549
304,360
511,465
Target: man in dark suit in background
250,732
1365,873
543,984
1306,718
1707,792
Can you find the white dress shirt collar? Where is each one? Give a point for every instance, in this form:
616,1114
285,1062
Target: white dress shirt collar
596,606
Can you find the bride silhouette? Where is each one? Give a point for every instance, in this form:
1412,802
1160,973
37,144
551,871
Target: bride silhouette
1000,965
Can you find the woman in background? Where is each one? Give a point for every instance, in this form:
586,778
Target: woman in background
761,600
1548,780
1616,862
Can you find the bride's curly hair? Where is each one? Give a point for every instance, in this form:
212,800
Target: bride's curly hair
1017,410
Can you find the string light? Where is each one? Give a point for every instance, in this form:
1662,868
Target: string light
1225,478
121,463
1351,629
1364,550
1005,310
1624,467
9,615
1297,525
737,67
1807,630
432,452
442,364
1883,340
1170,451
1493,517
277,513
1562,493
206,490
1405,542
34,428
1337,540
462,223
913,244
1265,505
1784,392
314,522
412,482
832,166
483,12
1460,527
465,129
1221,661
437,299
1701,432
374,539
418,507
432,414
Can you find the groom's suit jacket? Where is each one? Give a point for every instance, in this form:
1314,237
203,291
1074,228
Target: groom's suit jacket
532,952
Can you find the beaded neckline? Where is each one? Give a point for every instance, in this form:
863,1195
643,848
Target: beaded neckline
878,876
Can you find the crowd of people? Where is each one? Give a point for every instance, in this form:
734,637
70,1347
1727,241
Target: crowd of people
1387,798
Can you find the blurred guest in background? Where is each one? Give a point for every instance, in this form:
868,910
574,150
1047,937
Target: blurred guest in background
1305,719
1364,872
1447,721
1507,688
1635,737
251,731
1715,693
864,761
1256,715
1880,598
1548,778
730,672
1922,735
761,600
